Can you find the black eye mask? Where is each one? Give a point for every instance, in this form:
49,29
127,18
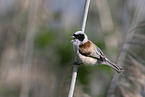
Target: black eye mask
79,36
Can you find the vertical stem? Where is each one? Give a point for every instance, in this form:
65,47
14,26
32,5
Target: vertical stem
74,75
75,67
105,17
86,8
28,50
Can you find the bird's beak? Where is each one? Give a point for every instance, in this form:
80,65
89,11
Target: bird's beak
73,38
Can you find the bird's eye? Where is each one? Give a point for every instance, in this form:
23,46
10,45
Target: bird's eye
80,37
76,36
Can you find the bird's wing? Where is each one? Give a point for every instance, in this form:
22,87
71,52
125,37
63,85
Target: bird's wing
91,50
95,53
98,50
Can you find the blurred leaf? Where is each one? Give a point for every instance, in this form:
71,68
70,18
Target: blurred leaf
44,39
65,53
9,91
84,71
83,74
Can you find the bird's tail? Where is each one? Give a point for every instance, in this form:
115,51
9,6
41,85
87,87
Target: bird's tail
117,68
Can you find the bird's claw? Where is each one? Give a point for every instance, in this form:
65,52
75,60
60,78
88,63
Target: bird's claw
76,63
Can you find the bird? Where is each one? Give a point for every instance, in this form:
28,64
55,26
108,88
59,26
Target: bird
86,52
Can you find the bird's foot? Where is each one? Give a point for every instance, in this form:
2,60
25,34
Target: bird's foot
76,63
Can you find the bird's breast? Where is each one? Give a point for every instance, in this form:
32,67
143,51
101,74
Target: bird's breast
87,60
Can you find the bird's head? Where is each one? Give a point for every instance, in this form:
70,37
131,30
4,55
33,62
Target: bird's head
79,37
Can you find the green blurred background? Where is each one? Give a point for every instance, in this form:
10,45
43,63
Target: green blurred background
36,55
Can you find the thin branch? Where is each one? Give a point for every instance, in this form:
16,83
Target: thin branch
75,67
73,81
87,3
